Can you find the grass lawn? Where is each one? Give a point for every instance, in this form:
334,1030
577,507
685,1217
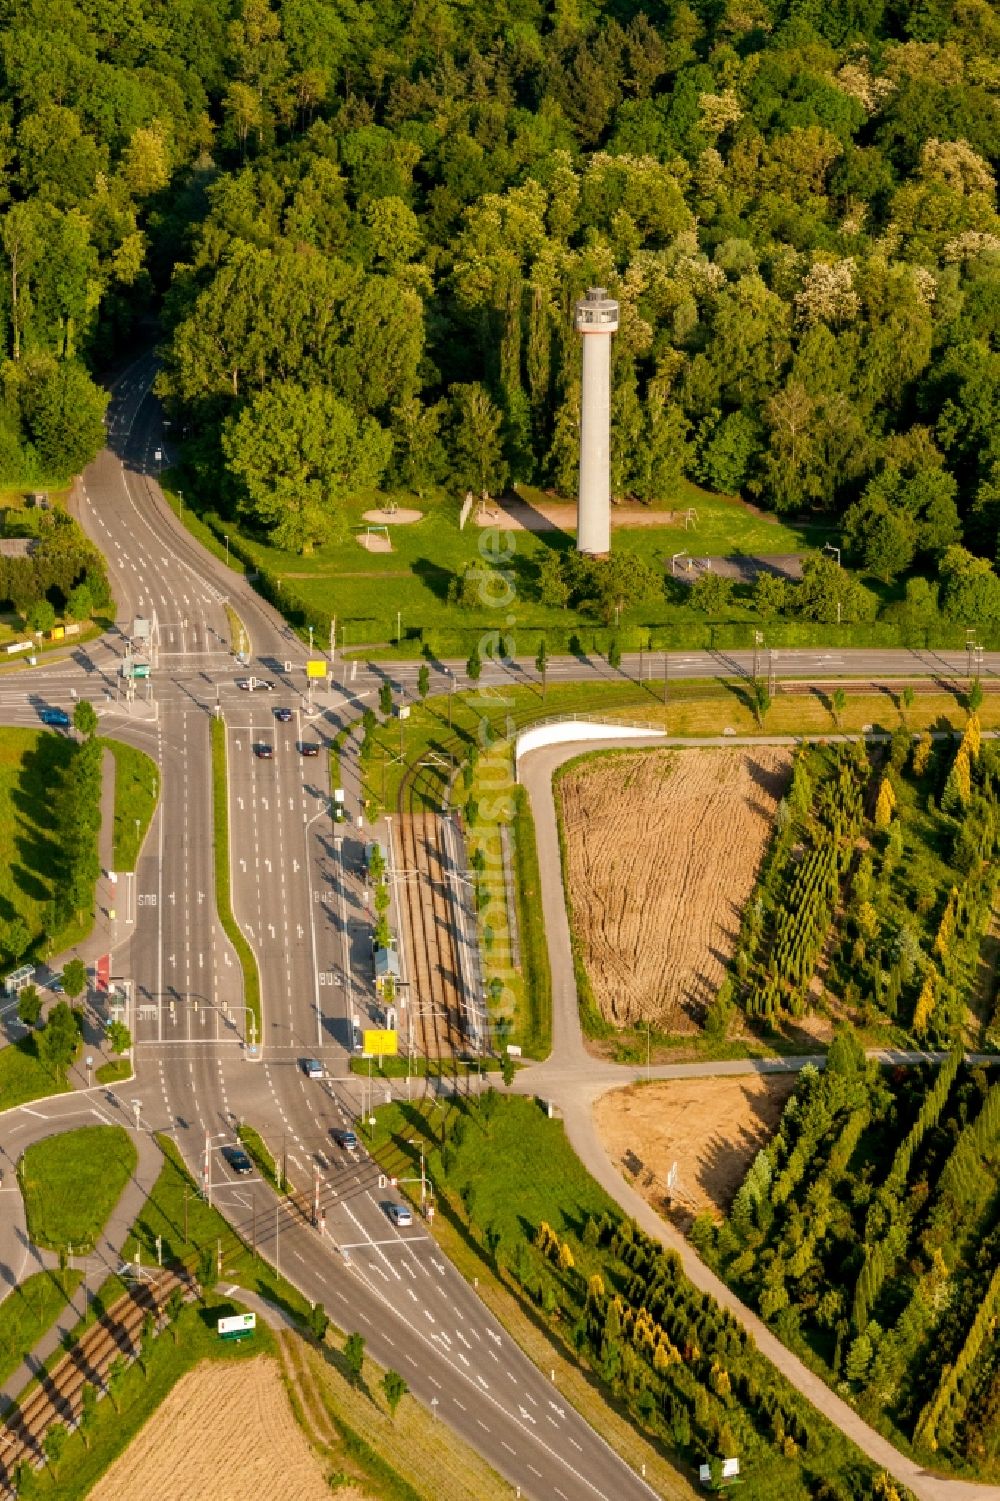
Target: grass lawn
26,1313
31,761
72,1182
137,787
710,708
365,590
114,1073
23,1076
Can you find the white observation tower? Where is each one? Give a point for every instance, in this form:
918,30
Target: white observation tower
596,320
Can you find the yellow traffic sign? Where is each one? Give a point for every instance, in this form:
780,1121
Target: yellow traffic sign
316,668
382,1043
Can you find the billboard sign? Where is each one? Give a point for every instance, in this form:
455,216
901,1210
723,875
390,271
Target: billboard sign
317,668
238,1326
382,1042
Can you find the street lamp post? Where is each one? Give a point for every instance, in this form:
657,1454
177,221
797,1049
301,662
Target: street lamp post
829,547
90,1069
310,640
180,505
137,1108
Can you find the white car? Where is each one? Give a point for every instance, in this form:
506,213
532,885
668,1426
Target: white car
400,1214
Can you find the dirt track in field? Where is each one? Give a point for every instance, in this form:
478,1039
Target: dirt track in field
662,851
225,1433
711,1128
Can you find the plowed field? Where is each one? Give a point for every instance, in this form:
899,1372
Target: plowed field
662,851
225,1433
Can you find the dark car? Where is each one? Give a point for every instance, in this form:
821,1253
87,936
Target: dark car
283,714
238,1160
54,717
264,752
344,1138
312,1068
308,749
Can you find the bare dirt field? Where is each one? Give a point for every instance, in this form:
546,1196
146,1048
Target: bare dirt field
712,1129
226,1432
662,851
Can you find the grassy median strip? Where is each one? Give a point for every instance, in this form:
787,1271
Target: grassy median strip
239,636
137,787
259,1153
223,897
536,1017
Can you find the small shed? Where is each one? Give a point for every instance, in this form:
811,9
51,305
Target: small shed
386,968
17,547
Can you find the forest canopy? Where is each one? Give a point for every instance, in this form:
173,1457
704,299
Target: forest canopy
391,210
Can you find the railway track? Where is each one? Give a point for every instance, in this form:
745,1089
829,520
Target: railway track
58,1397
424,902
435,993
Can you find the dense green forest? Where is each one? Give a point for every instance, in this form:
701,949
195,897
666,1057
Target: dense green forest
868,1230
365,225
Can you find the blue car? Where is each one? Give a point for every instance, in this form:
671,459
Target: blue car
55,717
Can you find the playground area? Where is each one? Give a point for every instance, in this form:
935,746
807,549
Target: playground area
374,535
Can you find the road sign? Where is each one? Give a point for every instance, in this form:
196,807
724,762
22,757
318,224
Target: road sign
240,1326
316,668
382,1043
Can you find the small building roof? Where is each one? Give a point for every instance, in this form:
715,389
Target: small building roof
17,547
386,963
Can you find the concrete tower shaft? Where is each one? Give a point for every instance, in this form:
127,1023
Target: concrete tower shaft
596,320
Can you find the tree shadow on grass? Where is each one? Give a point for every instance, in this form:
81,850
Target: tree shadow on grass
40,858
434,577
338,1361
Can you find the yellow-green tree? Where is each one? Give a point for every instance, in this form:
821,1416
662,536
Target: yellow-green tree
925,1004
885,805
